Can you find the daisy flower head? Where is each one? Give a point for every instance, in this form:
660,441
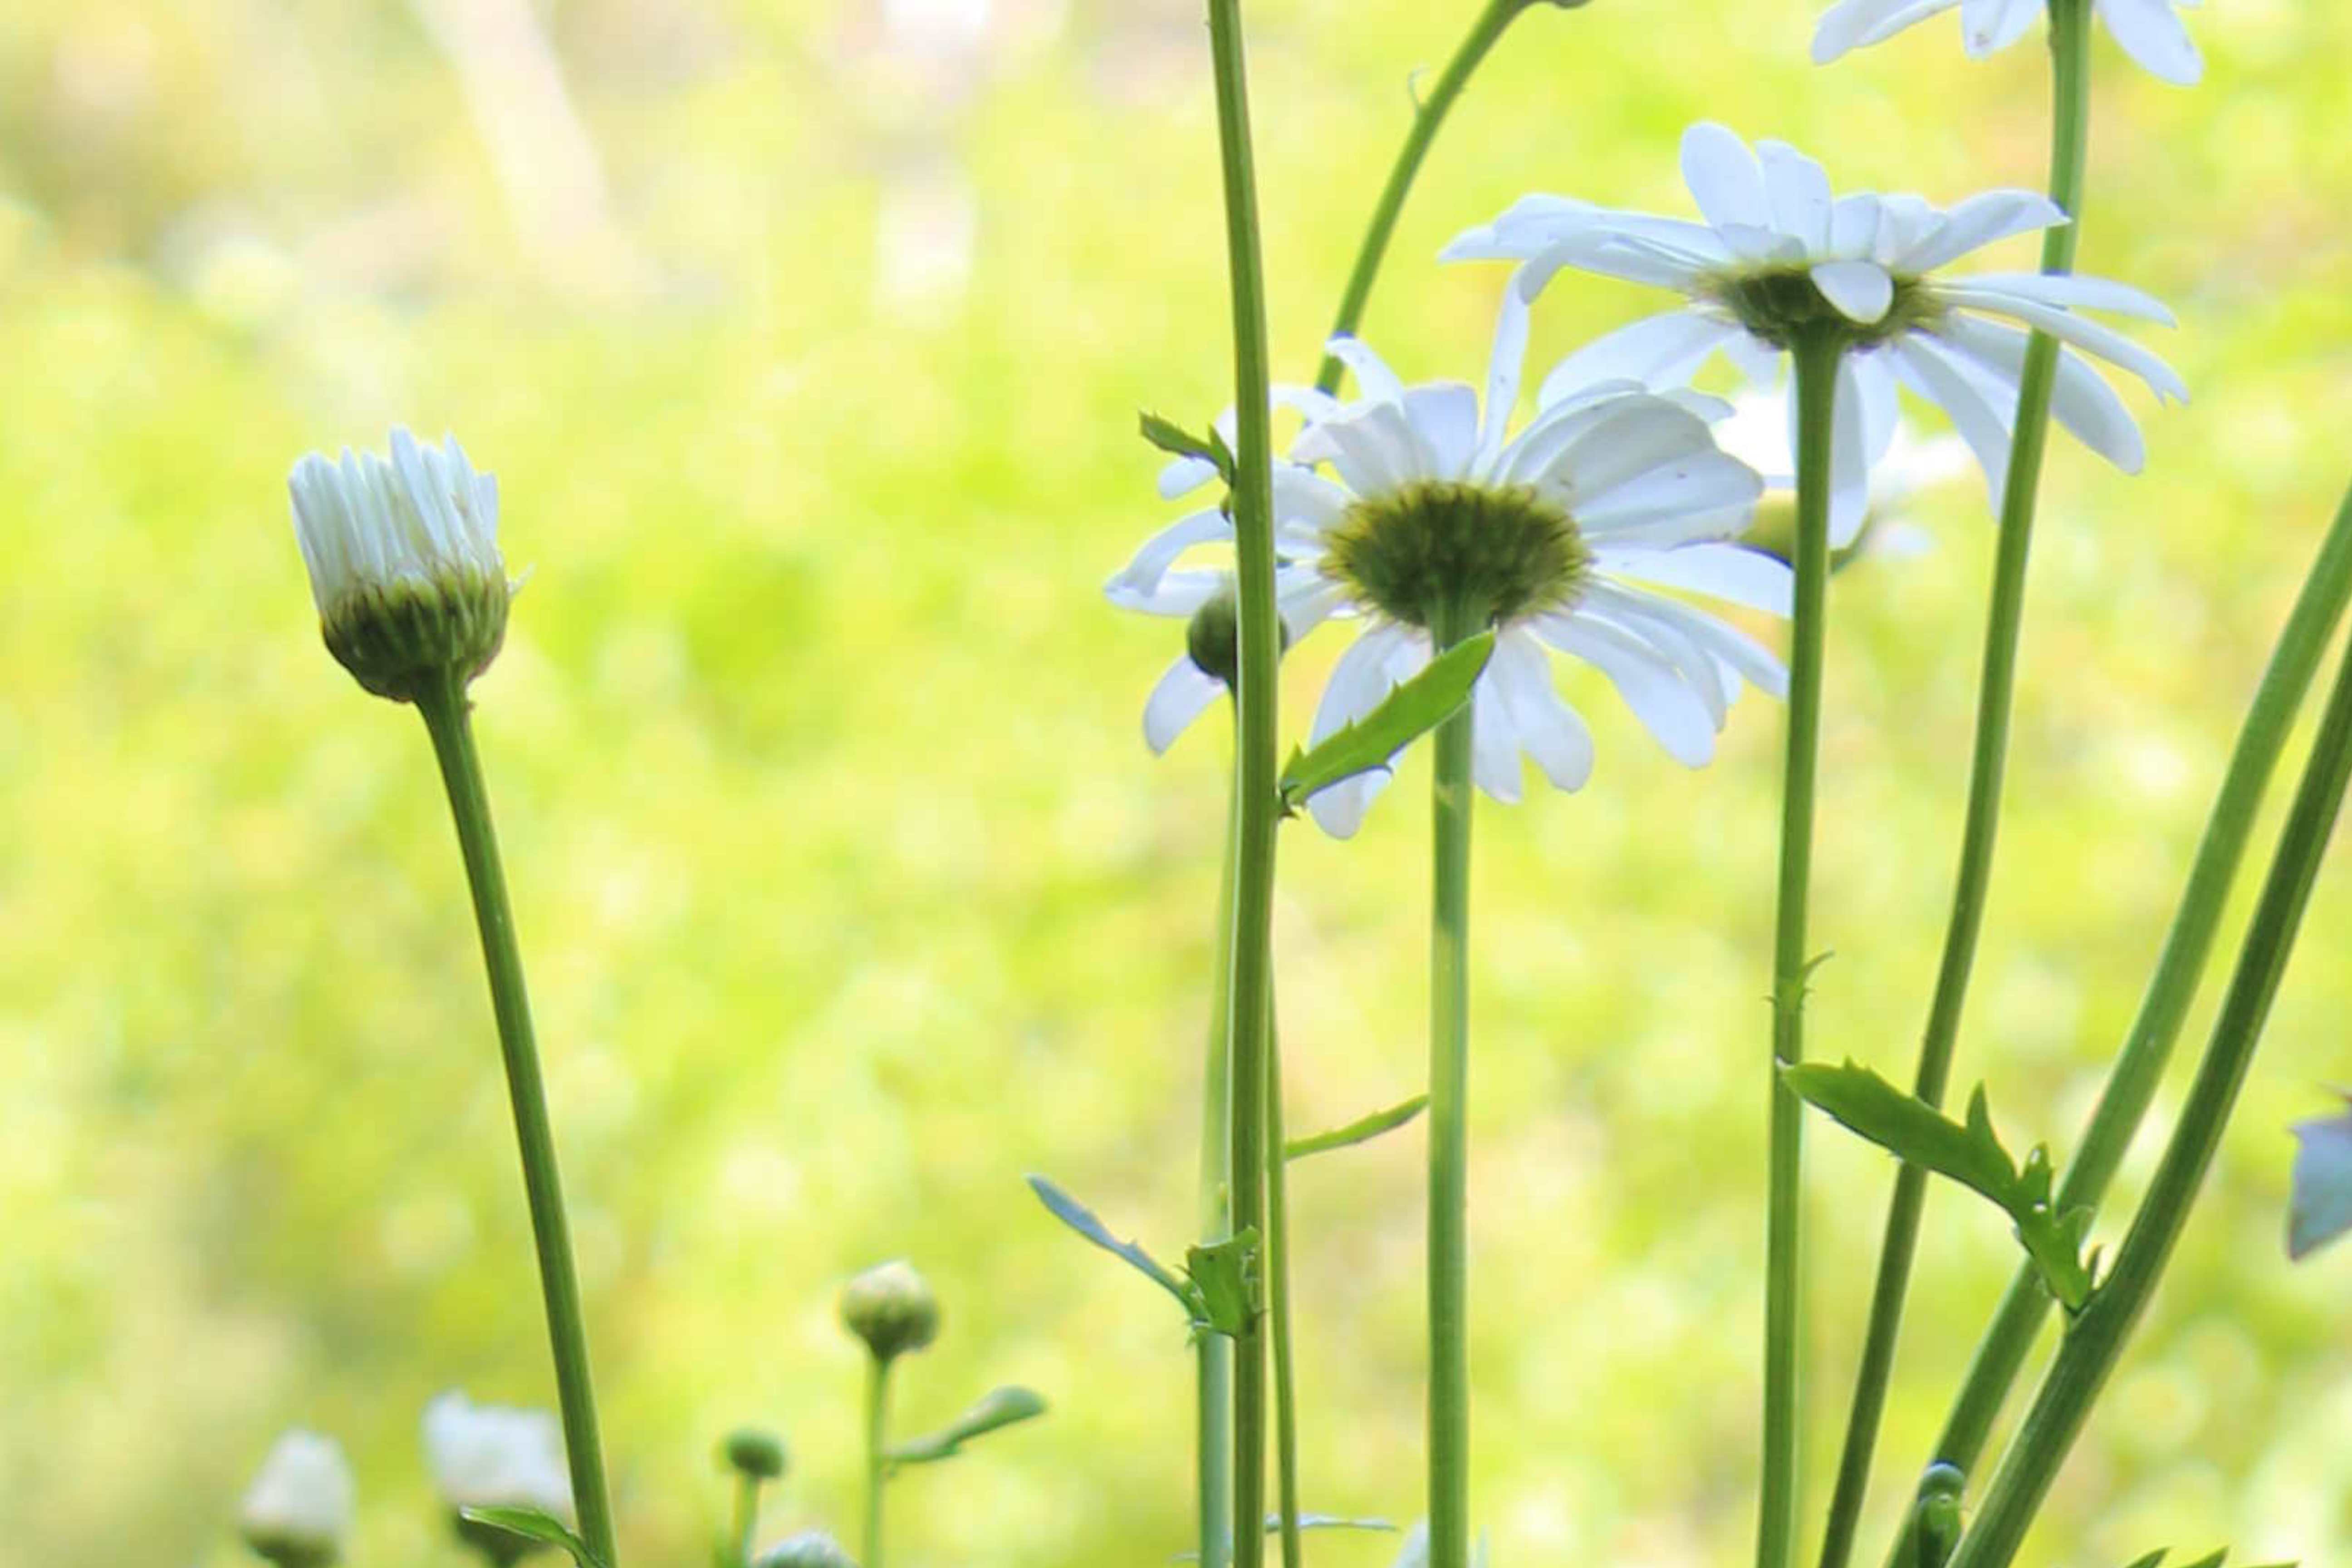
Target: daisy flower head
2149,30
1434,521
299,1511
1776,258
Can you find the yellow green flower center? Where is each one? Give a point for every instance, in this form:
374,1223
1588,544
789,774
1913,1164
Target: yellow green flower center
1489,555
1782,304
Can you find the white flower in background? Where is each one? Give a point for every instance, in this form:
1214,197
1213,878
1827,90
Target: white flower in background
487,1456
1778,257
1555,537
1756,433
2148,29
404,562
299,1510
809,1549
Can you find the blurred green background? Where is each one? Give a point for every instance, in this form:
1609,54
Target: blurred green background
807,341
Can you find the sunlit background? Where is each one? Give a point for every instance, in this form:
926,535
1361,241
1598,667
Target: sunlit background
807,341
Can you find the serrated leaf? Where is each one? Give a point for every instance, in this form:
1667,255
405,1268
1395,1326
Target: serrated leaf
1360,1130
2322,1206
1082,1219
994,1411
534,1524
1410,711
1177,442
1224,1282
1971,1154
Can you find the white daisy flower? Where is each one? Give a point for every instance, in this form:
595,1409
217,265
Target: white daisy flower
1558,538
487,1456
1756,433
2148,30
300,1507
404,562
1777,258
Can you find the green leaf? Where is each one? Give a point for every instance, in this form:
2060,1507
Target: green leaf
1972,1155
1410,711
534,1524
2322,1206
1225,1278
1080,1218
1362,1129
2154,1559
1306,1522
1177,441
995,1410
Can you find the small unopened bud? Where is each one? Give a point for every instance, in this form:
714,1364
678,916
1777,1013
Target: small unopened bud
1214,639
891,1309
487,1455
1938,1513
809,1549
405,565
300,1507
754,1454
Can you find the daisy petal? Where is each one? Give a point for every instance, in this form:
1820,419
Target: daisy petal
1989,25
2072,291
1797,191
1183,693
1928,366
1656,351
1494,743
1665,703
1358,683
1374,378
1549,729
1855,24
2153,34
1976,223
2092,338
1724,178
2080,398
1731,572
1140,578
1862,290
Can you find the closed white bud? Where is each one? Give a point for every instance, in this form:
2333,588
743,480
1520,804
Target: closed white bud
487,1455
809,1549
299,1510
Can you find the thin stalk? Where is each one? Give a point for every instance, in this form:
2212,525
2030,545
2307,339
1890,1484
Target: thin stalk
877,1476
448,719
1213,1354
1260,638
1816,366
1428,116
2097,1336
747,1515
1449,1084
1277,1305
2147,1047
2069,138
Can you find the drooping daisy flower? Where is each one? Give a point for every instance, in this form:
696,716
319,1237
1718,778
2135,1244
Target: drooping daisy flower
487,1456
403,563
2148,29
300,1507
1558,538
1777,258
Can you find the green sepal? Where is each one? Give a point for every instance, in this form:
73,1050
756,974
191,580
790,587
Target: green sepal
1360,1130
994,1411
535,1524
1224,1280
1413,709
1971,1154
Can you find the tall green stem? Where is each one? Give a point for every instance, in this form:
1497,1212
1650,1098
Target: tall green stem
2097,1336
1996,690
747,1516
1427,120
1817,358
1449,1084
1260,639
1277,1304
448,717
1214,1354
2139,1065
877,1437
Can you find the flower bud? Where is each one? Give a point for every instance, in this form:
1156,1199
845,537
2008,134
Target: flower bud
755,1455
485,1456
891,1309
1214,641
405,565
809,1549
300,1507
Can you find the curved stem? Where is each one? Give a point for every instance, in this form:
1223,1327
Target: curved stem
1277,1304
1427,119
1260,640
1996,690
2096,1338
1449,1084
447,718
1213,1354
877,1421
2139,1065
1817,360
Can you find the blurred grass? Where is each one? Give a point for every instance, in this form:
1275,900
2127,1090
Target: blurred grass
848,890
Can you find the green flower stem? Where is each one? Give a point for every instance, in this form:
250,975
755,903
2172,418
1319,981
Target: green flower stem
1816,364
1251,988
448,717
1213,1354
2139,1065
1449,1082
2098,1335
1277,1304
1427,119
1996,690
747,1515
877,1475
